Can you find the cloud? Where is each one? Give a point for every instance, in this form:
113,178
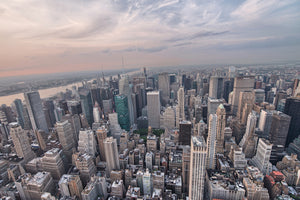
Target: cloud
69,28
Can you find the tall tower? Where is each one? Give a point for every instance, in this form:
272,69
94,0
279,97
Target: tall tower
21,143
265,121
101,134
66,138
153,109
197,168
87,142
246,101
241,83
250,129
35,111
164,87
121,103
86,104
211,142
19,108
111,154
262,157
292,107
180,97
221,124
124,89
96,113
216,87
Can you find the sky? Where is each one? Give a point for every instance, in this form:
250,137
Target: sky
52,36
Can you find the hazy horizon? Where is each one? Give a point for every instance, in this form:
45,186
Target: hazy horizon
43,37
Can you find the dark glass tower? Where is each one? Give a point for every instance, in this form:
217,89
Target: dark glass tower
121,104
86,104
292,108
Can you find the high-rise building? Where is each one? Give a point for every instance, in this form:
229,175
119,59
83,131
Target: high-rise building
211,142
21,142
292,107
35,111
197,168
96,113
70,186
97,187
66,138
101,134
87,142
86,104
53,163
221,124
32,187
265,121
212,105
147,183
185,132
153,101
262,157
169,118
250,129
49,112
246,101
164,87
216,87
241,83
228,87
278,134
259,96
121,104
85,164
111,154
19,108
180,114
125,89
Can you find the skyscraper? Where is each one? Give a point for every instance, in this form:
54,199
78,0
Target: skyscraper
35,111
153,107
21,143
216,87
241,83
70,186
111,154
87,142
262,157
211,142
96,113
169,118
86,104
246,101
164,87
66,138
185,132
265,121
101,134
221,124
180,114
147,183
197,168
125,89
19,108
121,104
292,107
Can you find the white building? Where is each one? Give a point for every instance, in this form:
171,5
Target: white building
197,168
262,157
111,154
211,142
87,142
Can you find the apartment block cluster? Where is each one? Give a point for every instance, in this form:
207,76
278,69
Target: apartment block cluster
207,133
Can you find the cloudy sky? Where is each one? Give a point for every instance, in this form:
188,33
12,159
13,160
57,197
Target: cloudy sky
47,36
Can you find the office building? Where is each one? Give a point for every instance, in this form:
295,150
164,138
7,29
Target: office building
153,109
125,89
262,157
180,114
169,118
86,104
20,108
246,101
85,164
147,183
35,111
117,189
21,142
52,163
164,87
211,142
66,138
265,121
185,132
70,186
241,83
87,142
101,134
97,187
197,168
221,124
292,107
111,154
121,103
216,87
212,105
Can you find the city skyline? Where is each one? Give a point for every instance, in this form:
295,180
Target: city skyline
40,37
